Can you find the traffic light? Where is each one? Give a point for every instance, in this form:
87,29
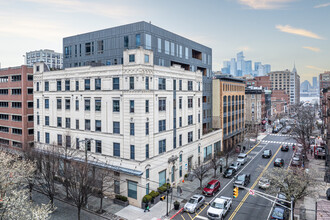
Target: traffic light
162,198
235,192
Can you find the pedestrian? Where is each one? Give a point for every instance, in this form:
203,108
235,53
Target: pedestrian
243,148
311,152
220,168
146,208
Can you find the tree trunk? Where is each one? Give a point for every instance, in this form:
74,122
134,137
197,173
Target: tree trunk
215,172
79,209
52,201
101,204
30,191
201,182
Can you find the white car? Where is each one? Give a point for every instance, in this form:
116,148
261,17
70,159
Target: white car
194,203
242,158
219,208
264,183
235,165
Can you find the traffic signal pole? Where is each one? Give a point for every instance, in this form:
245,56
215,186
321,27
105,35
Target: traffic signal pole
265,196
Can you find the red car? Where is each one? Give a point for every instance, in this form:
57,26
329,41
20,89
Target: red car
211,188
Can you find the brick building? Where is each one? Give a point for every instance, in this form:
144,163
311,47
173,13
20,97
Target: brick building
258,81
228,108
279,102
16,107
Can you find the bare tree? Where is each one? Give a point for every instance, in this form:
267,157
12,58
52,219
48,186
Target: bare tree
47,162
200,172
215,163
293,182
80,182
305,122
102,184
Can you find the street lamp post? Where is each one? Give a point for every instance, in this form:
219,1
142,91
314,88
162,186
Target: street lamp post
167,182
292,214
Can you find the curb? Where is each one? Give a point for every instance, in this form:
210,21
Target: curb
178,212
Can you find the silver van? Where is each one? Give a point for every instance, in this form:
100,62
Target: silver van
242,158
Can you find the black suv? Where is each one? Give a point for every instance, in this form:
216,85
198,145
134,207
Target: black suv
242,180
279,162
229,172
267,154
285,148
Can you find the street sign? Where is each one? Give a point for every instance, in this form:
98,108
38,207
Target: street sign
186,166
251,192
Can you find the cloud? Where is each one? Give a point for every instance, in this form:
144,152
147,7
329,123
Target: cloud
314,68
315,49
76,6
27,27
297,31
322,5
244,48
265,4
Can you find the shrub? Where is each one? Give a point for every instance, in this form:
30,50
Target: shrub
147,198
162,189
122,198
176,203
167,185
153,194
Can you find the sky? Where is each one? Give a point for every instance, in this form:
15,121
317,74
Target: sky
276,32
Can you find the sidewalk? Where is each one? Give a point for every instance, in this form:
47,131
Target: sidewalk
189,188
308,202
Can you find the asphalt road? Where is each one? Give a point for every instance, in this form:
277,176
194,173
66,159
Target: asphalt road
246,206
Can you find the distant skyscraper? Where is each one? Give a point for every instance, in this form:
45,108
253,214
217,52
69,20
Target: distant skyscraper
267,68
240,63
233,67
226,67
248,67
305,86
256,65
315,85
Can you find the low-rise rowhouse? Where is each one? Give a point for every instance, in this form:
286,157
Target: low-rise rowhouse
145,121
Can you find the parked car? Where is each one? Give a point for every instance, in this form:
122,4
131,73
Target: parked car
211,188
242,180
328,194
267,154
219,208
242,158
319,153
282,196
264,183
296,161
279,162
235,165
280,213
194,203
285,148
229,172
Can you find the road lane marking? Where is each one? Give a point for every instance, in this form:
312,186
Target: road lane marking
189,215
202,217
183,217
199,212
254,184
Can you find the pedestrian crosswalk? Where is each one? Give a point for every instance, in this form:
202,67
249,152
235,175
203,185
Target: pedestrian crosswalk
283,135
278,142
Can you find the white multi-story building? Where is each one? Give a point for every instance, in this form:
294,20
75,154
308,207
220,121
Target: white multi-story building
145,120
51,58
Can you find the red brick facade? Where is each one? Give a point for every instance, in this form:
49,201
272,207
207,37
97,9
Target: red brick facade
280,101
258,81
16,107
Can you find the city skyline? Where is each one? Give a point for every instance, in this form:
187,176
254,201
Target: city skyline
280,38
